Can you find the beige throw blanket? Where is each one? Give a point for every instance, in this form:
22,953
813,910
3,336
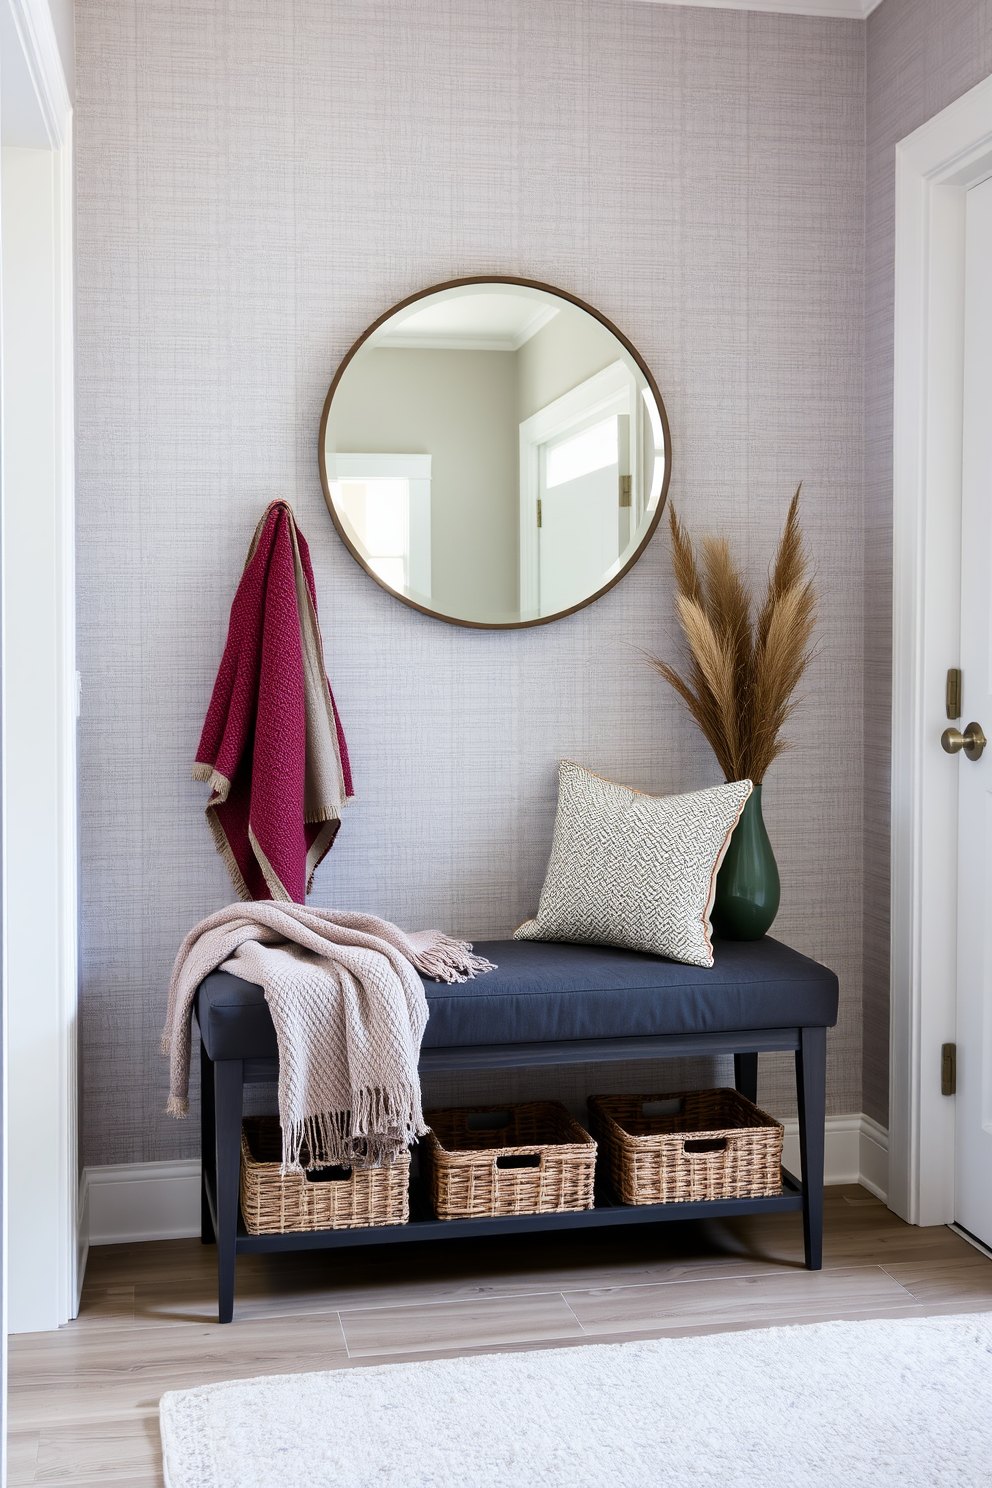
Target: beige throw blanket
349,1013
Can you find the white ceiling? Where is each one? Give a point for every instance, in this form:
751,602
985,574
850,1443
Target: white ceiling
852,10
469,321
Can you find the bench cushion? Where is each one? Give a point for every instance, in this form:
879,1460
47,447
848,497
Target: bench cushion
543,992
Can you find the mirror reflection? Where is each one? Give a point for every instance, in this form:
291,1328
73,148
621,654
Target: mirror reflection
494,454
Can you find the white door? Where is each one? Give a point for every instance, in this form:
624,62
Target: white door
973,1112
579,534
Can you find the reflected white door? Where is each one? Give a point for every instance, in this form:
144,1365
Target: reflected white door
578,540
973,1113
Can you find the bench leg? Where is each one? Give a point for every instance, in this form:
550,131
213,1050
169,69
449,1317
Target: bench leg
228,1097
208,1139
811,1090
746,1076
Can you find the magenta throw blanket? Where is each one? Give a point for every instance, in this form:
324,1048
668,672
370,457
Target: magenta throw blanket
272,748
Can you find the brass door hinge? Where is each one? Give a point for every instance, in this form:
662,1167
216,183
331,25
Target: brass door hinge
948,1069
625,490
539,511
952,697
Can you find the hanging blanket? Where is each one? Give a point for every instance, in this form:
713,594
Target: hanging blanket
349,1013
272,749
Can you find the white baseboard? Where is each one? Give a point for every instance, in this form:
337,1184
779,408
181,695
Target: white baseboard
874,1158
161,1200
141,1201
851,10
82,1239
856,1150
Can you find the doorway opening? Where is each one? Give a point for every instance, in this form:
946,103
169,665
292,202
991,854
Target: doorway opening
937,168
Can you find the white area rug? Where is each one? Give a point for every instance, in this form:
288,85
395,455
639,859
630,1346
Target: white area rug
897,1404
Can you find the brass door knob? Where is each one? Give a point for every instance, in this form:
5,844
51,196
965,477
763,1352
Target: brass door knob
972,741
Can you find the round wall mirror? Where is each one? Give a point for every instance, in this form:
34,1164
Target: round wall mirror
494,452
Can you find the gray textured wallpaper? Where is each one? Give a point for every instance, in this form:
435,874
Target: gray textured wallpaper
922,54
259,181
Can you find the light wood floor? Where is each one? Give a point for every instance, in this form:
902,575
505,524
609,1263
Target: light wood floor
83,1401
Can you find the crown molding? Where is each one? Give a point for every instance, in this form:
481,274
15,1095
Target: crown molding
32,22
845,10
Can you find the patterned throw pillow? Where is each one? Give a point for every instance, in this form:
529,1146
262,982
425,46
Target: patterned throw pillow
633,870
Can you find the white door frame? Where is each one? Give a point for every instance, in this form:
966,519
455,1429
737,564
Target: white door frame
39,840
416,471
934,168
611,390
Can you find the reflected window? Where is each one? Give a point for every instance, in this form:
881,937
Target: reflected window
593,449
378,512
385,503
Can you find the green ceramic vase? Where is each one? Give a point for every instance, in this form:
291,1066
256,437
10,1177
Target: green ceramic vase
747,886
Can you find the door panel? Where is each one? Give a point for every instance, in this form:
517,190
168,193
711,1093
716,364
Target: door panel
580,529
578,537
973,1114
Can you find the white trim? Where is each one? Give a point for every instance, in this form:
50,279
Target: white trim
594,398
451,341
464,340
140,1201
855,1151
612,390
66,907
416,471
82,1237
50,1297
847,10
979,1245
392,336
33,23
359,467
934,167
840,1149
873,1158
161,1200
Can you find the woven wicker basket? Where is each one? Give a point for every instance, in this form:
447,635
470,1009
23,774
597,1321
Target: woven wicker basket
527,1159
694,1144
332,1199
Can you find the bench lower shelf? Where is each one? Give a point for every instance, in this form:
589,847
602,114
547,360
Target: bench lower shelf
423,1224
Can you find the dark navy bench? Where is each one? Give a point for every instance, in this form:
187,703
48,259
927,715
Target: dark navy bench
545,1004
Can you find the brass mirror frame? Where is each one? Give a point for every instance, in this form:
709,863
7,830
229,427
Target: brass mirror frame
561,294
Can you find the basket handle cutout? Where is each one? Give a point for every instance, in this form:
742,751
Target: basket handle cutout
672,1106
699,1145
327,1175
519,1160
488,1120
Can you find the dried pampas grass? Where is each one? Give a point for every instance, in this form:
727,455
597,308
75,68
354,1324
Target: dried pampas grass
743,667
